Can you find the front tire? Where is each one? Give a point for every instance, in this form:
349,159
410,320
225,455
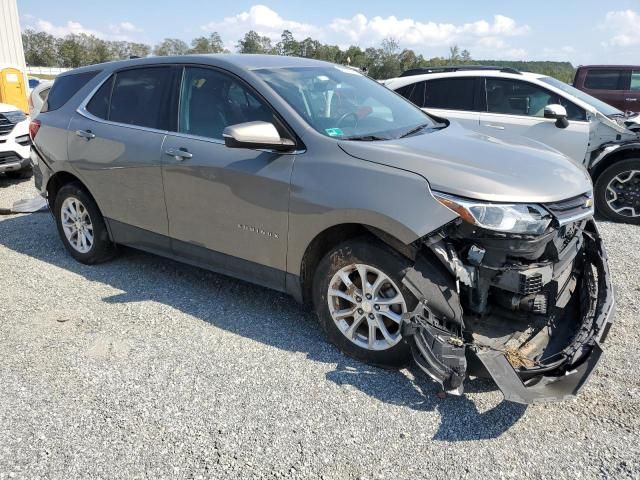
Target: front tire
617,192
81,225
363,317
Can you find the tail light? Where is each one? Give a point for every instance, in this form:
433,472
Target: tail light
30,103
34,126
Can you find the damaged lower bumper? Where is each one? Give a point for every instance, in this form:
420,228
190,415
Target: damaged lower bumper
447,350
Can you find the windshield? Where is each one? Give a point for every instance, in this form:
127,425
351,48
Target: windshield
599,105
340,102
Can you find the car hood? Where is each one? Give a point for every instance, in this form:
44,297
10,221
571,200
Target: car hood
462,162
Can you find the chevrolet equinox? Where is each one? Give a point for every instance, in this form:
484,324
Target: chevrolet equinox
408,234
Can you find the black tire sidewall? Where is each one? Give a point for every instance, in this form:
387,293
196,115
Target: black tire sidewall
102,248
375,254
601,185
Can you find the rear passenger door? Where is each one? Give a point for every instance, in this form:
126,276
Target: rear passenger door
516,108
452,98
115,142
227,207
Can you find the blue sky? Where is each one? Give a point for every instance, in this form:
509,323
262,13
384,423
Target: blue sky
586,31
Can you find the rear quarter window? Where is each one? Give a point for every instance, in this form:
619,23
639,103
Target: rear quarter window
64,88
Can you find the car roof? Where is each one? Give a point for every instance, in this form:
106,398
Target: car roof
607,66
239,61
408,80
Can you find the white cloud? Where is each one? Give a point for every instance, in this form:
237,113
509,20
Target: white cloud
481,37
624,27
120,31
124,28
413,33
62,30
263,20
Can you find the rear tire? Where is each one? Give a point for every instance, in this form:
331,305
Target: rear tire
81,225
618,188
378,262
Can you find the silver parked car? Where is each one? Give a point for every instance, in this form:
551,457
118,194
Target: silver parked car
405,232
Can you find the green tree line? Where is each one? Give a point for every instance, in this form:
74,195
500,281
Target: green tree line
386,61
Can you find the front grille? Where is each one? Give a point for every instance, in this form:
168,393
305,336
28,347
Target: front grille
9,157
5,125
572,209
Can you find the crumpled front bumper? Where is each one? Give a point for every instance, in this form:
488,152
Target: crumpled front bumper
550,382
562,381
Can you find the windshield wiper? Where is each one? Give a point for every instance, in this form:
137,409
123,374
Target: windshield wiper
365,138
414,130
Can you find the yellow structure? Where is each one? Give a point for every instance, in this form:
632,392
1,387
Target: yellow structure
13,87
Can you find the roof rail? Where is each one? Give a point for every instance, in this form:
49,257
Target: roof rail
456,68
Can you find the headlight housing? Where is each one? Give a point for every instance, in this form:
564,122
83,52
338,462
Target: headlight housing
15,117
524,218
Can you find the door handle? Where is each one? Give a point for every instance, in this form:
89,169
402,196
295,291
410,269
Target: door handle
631,99
178,153
497,127
85,134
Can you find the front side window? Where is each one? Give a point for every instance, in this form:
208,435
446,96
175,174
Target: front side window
342,103
139,97
604,80
210,101
450,93
514,97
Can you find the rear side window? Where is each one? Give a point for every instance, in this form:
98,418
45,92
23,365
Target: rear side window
414,92
99,103
43,94
64,88
605,80
139,97
635,81
450,94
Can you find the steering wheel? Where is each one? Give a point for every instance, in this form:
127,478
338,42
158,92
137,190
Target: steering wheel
344,118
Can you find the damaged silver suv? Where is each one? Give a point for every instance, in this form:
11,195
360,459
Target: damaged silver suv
408,234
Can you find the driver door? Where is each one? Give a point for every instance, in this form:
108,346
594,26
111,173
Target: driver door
515,107
227,207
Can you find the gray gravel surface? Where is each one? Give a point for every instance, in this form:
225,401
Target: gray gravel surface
146,368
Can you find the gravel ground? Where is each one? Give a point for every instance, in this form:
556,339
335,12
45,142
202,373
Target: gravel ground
146,368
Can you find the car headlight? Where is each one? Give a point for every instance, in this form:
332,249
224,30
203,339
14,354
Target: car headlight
501,217
15,117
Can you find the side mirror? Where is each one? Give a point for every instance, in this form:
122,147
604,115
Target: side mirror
559,113
256,135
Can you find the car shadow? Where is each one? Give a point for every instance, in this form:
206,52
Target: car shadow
263,315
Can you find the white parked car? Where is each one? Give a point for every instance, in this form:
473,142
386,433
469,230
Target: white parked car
38,96
504,102
15,143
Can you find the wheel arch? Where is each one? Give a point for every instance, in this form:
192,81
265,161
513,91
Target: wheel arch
622,153
329,238
62,178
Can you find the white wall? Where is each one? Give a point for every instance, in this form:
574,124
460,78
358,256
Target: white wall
11,50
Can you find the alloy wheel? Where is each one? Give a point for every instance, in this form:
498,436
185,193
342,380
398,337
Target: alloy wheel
367,306
623,194
77,225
